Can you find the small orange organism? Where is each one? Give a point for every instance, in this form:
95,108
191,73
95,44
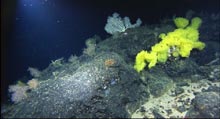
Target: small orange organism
33,83
110,62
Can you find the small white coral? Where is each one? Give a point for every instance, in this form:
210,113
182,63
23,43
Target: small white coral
73,59
91,47
58,62
116,24
18,92
34,72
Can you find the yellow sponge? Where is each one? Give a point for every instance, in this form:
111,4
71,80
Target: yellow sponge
180,42
196,22
181,22
140,61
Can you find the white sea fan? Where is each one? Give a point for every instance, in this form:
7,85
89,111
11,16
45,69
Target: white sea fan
116,24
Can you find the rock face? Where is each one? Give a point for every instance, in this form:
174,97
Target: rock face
99,88
206,105
158,84
103,83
